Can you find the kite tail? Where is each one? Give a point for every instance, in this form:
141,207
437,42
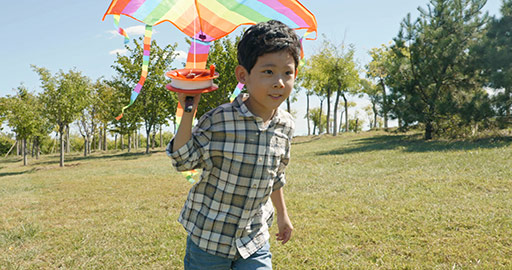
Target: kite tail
144,73
198,54
302,61
236,92
121,30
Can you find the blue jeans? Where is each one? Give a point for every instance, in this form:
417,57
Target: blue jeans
198,259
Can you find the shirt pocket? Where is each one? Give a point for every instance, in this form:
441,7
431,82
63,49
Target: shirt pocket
277,150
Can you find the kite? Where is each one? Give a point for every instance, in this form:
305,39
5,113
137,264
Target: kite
204,21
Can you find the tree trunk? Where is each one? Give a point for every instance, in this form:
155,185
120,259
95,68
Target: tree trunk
385,103
105,146
153,137
161,138
68,140
429,129
38,148
129,142
61,132
288,105
115,141
100,139
335,124
346,112
328,128
121,141
307,113
375,113
85,145
25,158
148,136
341,122
32,148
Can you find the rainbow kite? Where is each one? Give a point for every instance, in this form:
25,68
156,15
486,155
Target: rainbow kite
204,21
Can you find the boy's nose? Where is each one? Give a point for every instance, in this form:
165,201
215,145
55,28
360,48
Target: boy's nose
279,84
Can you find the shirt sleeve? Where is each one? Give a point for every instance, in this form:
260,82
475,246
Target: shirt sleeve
192,155
281,176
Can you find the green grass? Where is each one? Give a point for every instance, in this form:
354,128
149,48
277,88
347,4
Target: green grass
367,201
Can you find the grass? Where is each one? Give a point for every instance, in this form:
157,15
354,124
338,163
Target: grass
366,201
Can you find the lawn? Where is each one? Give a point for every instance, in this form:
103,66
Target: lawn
357,201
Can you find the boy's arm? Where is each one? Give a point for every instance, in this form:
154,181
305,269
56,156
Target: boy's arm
184,132
283,221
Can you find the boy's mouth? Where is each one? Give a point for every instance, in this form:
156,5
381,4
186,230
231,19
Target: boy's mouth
275,96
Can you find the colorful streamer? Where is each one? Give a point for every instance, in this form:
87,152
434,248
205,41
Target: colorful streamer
198,54
145,64
121,30
236,92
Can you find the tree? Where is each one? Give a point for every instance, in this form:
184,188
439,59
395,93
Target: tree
494,55
438,45
319,120
153,104
64,97
378,69
22,115
334,69
374,93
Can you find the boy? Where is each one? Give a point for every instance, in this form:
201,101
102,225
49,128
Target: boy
243,148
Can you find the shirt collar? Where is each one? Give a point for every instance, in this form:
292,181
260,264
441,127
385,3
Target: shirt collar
240,106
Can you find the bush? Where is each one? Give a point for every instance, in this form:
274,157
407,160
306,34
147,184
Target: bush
6,143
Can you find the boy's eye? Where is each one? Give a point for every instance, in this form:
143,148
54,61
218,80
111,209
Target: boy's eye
289,73
268,71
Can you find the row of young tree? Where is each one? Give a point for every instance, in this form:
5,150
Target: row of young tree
70,100
449,71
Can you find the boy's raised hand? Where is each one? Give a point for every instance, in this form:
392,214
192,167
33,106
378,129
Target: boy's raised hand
182,98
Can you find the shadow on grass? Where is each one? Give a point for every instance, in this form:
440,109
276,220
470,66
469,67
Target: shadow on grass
4,174
413,143
106,156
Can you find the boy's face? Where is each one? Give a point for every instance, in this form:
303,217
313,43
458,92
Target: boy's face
269,83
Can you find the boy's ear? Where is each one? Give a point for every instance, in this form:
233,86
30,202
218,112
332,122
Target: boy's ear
296,72
241,74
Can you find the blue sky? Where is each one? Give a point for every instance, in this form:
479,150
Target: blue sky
64,34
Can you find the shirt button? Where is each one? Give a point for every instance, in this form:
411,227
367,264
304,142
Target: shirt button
254,185
260,159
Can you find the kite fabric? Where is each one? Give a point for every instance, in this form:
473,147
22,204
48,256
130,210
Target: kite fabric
209,20
206,21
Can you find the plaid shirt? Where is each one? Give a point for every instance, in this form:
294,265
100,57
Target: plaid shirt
229,211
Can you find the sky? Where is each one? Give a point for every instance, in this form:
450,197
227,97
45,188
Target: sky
64,34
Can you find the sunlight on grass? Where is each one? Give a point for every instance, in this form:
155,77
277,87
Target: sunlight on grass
369,201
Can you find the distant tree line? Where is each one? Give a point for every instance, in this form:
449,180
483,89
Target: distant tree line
448,72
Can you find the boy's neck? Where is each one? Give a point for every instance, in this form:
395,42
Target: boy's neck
265,115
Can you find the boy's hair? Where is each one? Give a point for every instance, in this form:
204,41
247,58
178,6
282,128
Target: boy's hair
267,37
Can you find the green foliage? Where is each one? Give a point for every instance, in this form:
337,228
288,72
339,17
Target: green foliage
332,70
494,56
155,103
6,142
439,66
223,54
319,120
